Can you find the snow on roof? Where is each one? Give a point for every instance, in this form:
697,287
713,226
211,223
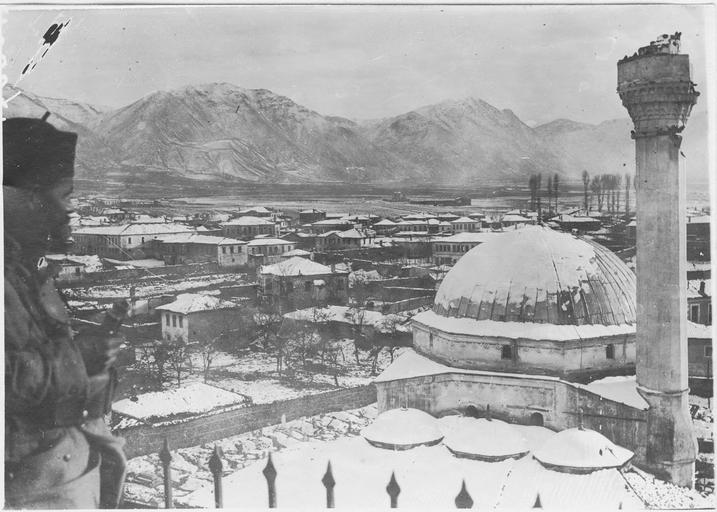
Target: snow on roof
248,220
257,209
331,222
312,210
621,389
576,219
482,438
385,222
426,476
695,330
699,265
539,274
295,266
142,263
296,252
92,263
582,449
516,330
467,236
402,429
156,228
194,238
268,241
187,303
632,224
514,218
191,400
463,220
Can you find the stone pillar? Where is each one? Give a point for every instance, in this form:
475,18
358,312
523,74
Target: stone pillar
656,89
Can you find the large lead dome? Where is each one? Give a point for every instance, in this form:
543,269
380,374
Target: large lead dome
536,274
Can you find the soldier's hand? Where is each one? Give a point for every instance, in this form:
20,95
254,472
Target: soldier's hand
109,349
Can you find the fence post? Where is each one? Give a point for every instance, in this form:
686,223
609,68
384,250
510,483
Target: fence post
463,499
215,466
166,457
537,503
393,490
270,475
329,483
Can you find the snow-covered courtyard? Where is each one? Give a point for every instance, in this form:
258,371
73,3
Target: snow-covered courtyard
429,477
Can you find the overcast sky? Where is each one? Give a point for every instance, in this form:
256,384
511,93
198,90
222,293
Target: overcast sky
543,62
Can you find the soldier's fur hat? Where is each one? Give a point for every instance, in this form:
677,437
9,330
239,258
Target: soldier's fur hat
36,155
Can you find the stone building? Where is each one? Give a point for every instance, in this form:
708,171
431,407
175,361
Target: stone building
264,251
448,250
195,248
298,283
122,241
196,318
247,227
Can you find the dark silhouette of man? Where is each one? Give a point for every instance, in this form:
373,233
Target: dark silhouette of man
59,453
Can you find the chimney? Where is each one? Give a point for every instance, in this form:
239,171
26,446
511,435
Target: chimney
702,287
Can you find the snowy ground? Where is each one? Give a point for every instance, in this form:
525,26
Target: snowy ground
153,286
429,477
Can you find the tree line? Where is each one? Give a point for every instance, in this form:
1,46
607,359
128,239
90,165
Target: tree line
605,189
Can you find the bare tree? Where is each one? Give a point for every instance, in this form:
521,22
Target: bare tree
556,189
618,185
177,359
586,186
532,184
596,188
550,193
537,195
627,195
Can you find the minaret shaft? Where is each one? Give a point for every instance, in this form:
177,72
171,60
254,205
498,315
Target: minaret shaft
656,89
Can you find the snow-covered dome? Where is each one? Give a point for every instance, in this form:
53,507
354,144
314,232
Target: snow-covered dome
482,439
577,450
536,274
401,429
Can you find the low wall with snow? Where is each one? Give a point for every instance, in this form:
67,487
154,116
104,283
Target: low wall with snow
146,439
130,273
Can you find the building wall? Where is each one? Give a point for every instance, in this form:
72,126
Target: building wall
699,310
699,357
516,399
300,292
246,232
146,439
448,253
231,255
586,356
174,326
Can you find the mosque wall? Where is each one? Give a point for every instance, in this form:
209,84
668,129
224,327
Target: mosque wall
521,400
560,358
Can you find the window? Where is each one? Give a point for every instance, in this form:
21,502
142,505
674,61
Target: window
708,351
709,314
506,352
77,271
129,240
695,312
307,286
142,239
167,318
180,321
174,320
224,250
610,351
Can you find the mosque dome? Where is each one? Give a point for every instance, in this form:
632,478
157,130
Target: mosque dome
578,450
534,300
536,274
483,439
402,429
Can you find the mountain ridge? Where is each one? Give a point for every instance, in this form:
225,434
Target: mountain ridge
225,133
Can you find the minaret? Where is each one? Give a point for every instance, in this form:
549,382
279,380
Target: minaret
655,87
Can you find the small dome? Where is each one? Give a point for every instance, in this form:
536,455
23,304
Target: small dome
536,274
401,429
482,439
578,450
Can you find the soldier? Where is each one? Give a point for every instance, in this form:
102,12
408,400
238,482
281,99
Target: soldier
59,453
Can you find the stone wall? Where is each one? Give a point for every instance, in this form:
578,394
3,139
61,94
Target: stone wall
145,439
91,278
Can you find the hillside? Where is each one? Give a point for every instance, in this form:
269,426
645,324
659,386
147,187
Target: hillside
227,134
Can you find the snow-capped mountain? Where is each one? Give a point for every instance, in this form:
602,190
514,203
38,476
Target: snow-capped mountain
224,133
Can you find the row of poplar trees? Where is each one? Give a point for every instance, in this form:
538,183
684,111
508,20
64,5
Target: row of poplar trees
604,188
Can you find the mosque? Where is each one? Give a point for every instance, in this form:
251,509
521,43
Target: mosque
539,325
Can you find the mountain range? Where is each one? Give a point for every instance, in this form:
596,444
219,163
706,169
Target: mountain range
221,133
